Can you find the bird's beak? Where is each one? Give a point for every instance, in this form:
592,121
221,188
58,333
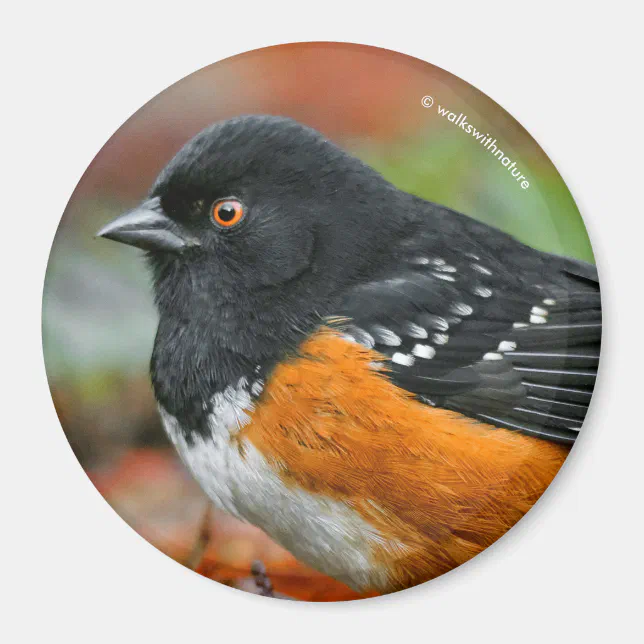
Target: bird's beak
148,227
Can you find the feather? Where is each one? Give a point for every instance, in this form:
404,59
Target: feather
517,347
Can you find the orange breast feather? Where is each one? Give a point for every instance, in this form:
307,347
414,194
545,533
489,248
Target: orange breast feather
438,486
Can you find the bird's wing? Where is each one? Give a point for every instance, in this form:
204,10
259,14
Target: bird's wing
514,343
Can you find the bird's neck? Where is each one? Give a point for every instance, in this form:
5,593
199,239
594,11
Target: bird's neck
207,346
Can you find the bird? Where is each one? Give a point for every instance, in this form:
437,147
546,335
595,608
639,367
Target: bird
383,385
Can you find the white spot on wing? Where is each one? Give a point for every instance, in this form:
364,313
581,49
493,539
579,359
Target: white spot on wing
492,355
440,338
416,331
424,351
537,319
442,276
360,336
549,301
507,345
536,310
403,359
435,322
481,269
386,336
461,309
483,291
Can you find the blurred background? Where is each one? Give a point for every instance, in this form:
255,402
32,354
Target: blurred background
98,316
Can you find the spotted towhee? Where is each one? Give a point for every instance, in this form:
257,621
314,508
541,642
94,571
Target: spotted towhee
383,385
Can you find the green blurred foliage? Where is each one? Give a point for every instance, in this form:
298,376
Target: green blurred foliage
454,171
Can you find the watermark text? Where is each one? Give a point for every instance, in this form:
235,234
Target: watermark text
484,139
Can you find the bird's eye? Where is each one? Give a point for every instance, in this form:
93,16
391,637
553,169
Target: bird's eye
227,212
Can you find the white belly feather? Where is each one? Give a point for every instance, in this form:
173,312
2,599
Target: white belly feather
322,532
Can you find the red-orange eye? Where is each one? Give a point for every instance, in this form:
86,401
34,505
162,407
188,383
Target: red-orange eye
227,213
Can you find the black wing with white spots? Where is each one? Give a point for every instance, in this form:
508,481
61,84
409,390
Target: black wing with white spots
498,331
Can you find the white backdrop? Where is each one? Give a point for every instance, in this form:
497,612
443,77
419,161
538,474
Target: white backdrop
73,570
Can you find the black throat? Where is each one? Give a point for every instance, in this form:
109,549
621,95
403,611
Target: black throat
211,339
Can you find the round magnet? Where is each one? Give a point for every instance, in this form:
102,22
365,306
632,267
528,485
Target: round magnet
321,321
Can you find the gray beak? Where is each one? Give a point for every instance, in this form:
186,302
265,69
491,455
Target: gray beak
148,227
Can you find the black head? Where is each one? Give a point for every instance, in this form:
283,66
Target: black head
253,229
258,212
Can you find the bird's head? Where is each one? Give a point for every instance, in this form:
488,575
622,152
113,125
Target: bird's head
256,224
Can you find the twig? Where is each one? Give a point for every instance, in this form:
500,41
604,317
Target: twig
201,542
